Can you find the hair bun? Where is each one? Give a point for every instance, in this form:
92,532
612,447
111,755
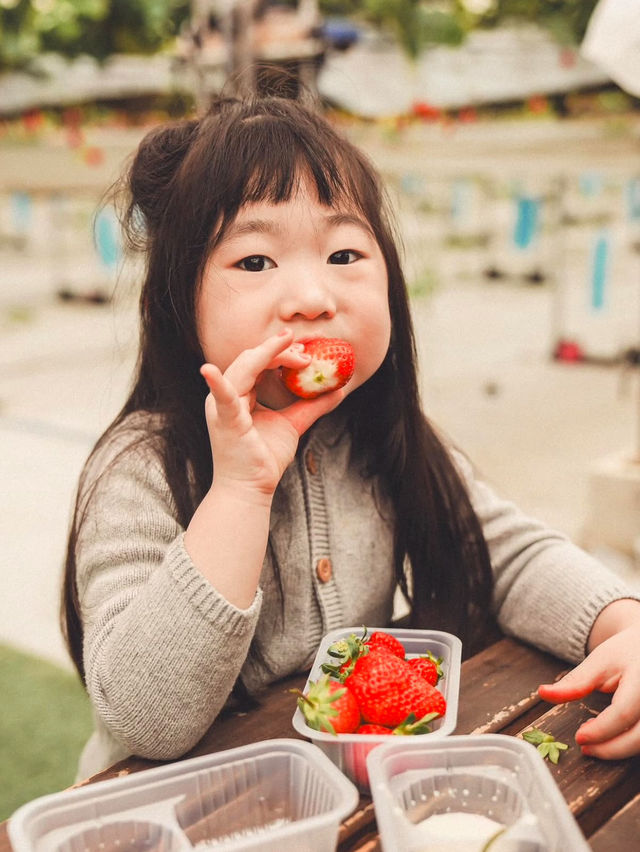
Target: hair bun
154,166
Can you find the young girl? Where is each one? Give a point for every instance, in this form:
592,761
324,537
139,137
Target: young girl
223,526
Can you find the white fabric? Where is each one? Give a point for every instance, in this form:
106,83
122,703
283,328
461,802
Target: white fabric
612,41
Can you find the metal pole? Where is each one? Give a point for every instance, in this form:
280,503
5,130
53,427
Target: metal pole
558,304
242,61
200,10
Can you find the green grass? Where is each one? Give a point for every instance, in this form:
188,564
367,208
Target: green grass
45,720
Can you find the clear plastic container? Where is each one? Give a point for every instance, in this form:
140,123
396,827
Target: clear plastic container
349,751
490,776
275,795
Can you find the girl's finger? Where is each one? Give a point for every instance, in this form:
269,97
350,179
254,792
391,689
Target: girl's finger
303,414
244,371
293,356
229,410
577,683
621,715
221,390
624,745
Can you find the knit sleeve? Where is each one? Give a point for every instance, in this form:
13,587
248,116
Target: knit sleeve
162,648
547,591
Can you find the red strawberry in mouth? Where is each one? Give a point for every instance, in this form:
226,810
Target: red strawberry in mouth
331,367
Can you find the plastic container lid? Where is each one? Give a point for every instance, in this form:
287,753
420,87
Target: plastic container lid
349,751
273,795
490,776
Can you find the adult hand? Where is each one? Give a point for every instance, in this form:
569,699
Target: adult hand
252,445
613,666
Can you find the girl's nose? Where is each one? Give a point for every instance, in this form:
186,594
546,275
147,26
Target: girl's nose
309,299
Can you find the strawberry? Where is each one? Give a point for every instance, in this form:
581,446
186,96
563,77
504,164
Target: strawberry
331,367
388,690
329,706
369,728
428,667
347,651
409,727
380,639
436,702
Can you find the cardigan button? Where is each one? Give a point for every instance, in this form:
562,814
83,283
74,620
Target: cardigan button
310,462
324,570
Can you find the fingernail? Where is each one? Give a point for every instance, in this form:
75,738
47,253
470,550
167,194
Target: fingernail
586,751
298,349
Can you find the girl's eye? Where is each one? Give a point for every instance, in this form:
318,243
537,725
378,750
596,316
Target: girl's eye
256,263
345,256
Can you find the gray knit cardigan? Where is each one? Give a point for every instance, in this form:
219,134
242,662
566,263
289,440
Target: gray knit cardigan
162,649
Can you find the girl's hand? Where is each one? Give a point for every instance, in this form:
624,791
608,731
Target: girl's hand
613,666
251,444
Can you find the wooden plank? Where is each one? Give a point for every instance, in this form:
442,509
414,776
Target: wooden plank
370,843
621,832
594,789
358,828
498,694
499,686
488,682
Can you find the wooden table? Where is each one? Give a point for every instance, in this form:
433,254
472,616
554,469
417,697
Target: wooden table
497,695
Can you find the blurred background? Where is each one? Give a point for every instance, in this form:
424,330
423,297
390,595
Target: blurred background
512,162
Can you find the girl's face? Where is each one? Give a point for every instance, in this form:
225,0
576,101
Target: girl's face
300,265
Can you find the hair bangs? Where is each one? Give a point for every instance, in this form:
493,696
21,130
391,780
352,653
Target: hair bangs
273,156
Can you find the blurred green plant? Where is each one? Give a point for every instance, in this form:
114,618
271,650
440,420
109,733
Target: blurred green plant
99,28
419,23
566,20
424,284
45,722
414,23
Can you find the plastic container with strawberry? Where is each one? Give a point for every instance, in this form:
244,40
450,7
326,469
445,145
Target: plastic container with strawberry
365,686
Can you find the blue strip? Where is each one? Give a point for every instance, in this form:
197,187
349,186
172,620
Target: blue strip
526,222
599,272
107,238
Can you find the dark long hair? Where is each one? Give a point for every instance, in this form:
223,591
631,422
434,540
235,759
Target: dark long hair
184,187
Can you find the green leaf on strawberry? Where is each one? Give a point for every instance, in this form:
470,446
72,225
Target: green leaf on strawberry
412,726
328,706
346,652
